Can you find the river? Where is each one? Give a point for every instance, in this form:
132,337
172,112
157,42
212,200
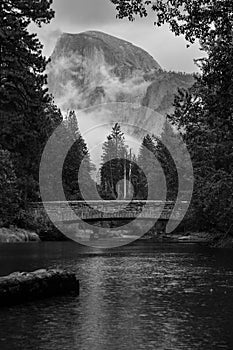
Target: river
143,296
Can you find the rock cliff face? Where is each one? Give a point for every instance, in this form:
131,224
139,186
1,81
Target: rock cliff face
91,68
160,93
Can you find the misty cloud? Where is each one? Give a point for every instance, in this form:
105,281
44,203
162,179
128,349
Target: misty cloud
78,80
75,16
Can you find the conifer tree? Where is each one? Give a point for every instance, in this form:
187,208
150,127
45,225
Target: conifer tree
149,170
168,141
113,162
76,155
27,114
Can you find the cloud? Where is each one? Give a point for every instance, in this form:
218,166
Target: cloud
77,84
75,16
84,12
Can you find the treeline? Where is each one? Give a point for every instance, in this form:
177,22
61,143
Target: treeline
28,115
151,174
204,114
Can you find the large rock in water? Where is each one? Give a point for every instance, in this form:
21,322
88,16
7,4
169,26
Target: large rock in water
22,286
91,68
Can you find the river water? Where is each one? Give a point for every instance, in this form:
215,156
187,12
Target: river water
143,296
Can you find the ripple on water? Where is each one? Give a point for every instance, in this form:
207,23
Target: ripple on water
140,297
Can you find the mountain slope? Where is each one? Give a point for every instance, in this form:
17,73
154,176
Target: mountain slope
91,68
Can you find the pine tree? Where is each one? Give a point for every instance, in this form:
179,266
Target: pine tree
149,171
113,163
76,155
27,114
166,142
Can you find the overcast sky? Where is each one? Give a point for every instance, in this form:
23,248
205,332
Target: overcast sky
74,16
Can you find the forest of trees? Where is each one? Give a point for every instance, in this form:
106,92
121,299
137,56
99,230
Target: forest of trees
152,166
203,115
28,115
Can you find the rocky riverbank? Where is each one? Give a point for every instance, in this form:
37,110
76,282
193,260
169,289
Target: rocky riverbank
17,235
25,286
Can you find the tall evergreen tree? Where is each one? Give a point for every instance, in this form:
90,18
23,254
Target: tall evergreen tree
166,142
113,163
149,171
27,114
76,155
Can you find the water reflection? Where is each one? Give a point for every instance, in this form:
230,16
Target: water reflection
139,297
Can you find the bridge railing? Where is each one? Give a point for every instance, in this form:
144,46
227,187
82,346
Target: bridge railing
94,210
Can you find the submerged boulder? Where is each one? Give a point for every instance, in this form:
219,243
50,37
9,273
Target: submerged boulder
20,287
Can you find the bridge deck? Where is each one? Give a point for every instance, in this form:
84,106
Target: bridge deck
109,210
